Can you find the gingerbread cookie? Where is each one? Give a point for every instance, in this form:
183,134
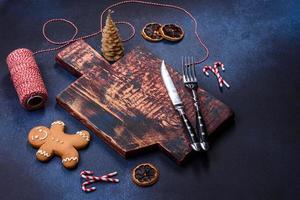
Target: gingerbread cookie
55,141
145,175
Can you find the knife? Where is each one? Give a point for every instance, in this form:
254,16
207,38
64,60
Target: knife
176,101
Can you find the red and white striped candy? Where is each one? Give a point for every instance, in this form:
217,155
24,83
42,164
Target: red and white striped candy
88,175
216,72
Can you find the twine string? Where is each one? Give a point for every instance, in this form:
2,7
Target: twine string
133,30
73,38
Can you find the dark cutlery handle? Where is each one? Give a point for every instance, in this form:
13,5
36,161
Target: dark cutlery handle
200,125
193,136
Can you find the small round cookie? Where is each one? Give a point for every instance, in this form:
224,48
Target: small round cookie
151,32
145,175
171,32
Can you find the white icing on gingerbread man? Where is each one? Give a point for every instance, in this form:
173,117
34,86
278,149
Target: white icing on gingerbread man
55,141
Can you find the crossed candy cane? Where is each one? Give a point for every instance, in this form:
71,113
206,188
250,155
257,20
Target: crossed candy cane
88,175
216,72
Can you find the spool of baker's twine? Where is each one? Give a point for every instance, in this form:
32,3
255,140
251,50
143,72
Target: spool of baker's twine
27,79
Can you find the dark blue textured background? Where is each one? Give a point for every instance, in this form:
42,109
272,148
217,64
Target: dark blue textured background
255,158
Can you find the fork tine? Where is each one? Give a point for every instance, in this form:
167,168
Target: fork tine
186,69
182,69
193,70
190,68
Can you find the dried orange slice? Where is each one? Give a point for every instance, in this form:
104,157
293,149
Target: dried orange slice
145,174
151,32
171,32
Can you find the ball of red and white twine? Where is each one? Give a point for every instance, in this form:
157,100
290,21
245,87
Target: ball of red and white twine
88,175
216,72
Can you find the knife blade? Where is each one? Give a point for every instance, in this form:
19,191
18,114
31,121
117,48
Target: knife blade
176,101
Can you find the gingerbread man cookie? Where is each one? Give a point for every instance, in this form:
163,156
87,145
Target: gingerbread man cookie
55,141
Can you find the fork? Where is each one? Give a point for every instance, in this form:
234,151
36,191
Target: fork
190,82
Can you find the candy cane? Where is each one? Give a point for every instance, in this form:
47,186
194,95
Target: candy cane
88,175
215,71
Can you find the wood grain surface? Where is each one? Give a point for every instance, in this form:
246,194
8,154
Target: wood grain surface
126,103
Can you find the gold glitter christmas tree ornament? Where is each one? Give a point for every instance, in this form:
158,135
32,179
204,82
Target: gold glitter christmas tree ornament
112,45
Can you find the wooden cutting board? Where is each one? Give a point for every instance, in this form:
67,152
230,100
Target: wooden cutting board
126,104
